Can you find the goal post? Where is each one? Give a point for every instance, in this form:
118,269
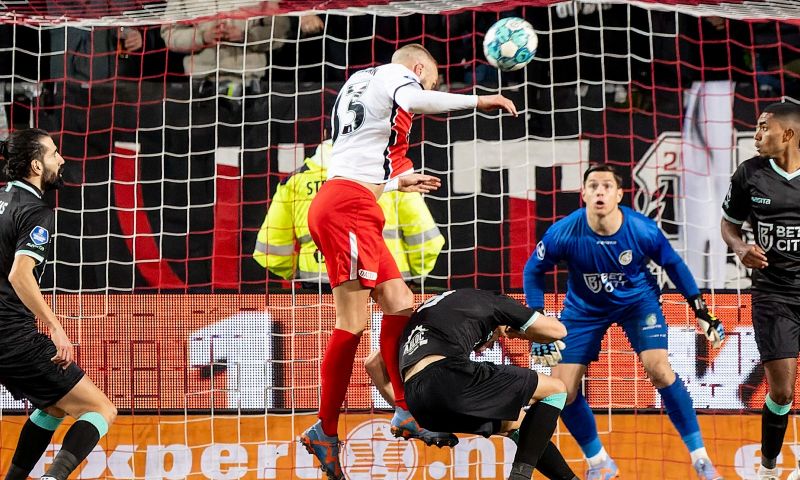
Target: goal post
213,360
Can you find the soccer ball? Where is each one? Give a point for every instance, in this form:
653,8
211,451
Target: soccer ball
510,44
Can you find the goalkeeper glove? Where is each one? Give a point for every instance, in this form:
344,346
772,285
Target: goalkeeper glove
548,354
709,323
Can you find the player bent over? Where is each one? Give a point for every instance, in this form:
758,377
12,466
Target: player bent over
32,365
607,249
447,392
765,191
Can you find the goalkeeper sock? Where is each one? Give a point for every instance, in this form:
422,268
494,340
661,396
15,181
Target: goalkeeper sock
33,441
579,419
698,454
392,327
774,420
598,458
681,412
337,366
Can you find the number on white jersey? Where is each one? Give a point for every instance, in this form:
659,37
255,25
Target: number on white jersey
352,118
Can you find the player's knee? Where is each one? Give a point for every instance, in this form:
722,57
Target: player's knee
111,413
548,386
394,297
54,411
105,408
355,324
660,373
782,395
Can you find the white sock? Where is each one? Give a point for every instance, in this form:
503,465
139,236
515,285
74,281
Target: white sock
698,454
598,458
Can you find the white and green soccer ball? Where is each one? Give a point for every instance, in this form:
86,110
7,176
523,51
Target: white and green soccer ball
510,44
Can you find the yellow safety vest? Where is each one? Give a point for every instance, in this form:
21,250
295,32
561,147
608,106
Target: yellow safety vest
410,231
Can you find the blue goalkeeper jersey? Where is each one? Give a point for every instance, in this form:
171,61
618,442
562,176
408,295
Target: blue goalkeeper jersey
606,273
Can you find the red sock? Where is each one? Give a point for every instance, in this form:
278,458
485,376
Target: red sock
337,366
392,328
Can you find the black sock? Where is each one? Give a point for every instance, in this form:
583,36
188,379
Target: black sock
33,441
534,436
773,429
79,441
553,466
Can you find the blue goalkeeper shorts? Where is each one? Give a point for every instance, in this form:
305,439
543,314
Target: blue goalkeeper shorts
643,323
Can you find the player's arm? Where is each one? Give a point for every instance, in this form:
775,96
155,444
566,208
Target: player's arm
540,328
543,331
542,260
751,255
735,210
413,99
376,370
27,289
664,255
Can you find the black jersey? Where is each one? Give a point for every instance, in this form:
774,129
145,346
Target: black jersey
26,226
454,323
769,198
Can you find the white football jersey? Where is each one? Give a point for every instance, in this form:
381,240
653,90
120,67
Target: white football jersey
370,131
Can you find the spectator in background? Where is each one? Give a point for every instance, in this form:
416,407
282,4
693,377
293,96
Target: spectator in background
226,54
410,231
777,67
96,53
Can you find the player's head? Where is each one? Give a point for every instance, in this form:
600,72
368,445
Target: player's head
420,61
602,188
31,154
778,130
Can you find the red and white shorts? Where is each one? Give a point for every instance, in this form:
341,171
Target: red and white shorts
346,223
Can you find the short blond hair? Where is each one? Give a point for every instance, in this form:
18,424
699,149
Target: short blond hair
412,53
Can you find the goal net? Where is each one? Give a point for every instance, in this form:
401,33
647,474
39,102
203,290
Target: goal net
177,141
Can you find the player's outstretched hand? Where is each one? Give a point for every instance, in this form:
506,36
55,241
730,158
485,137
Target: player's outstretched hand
752,256
509,332
709,323
548,354
64,351
493,102
418,182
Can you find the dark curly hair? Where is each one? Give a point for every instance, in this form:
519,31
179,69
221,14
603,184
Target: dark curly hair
19,149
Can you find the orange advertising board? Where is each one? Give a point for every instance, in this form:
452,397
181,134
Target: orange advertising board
265,447
256,352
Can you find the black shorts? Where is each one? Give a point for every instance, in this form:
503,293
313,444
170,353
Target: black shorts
27,372
457,395
777,328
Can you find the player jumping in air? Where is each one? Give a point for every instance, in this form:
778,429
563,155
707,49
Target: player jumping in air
33,366
765,191
371,122
607,249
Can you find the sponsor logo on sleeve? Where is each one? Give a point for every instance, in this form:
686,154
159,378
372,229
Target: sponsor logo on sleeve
540,250
39,235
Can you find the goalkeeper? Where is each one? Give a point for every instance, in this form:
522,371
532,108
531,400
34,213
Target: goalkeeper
607,249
